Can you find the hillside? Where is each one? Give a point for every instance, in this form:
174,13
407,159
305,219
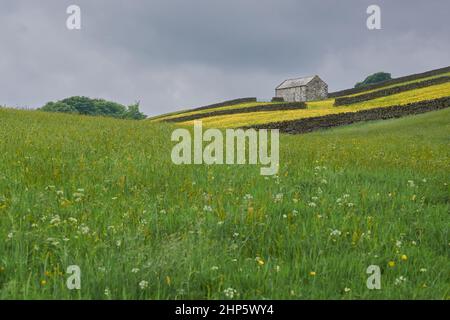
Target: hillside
405,91
103,193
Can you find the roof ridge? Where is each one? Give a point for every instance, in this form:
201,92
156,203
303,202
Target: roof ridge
309,78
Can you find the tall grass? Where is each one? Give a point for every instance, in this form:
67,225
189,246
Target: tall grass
103,194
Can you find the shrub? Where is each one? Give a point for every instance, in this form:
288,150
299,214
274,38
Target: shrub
134,113
59,107
374,78
95,107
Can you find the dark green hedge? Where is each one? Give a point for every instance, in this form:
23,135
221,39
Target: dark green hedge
225,103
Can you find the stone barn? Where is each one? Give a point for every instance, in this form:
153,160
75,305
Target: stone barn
302,89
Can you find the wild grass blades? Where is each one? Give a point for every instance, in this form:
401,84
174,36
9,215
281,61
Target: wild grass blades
103,194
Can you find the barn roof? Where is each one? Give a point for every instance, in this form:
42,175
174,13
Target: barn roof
292,83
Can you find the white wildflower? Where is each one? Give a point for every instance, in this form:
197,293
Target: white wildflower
143,284
248,197
73,220
400,280
55,220
84,229
335,233
102,269
230,293
278,197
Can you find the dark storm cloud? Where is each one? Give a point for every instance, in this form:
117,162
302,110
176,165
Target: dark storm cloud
176,53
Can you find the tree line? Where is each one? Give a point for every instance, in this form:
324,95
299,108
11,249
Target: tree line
95,107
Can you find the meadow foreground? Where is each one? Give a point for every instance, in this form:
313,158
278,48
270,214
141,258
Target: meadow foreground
103,194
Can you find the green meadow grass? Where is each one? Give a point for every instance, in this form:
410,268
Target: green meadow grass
103,194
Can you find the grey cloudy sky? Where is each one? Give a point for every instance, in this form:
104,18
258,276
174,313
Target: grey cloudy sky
173,54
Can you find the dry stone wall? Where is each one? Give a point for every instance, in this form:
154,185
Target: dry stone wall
334,120
340,101
389,82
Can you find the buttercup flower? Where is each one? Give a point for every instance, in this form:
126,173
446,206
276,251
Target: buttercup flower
260,261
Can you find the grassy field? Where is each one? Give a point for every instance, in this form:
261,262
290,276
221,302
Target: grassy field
103,194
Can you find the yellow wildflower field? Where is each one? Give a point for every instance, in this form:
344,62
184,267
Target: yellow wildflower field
447,74
231,107
324,107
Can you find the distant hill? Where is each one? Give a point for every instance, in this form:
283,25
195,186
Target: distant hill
424,91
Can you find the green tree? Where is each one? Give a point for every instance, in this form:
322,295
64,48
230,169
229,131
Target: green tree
374,78
134,113
59,107
83,105
95,107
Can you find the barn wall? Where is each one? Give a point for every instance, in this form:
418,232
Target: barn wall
297,94
316,90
